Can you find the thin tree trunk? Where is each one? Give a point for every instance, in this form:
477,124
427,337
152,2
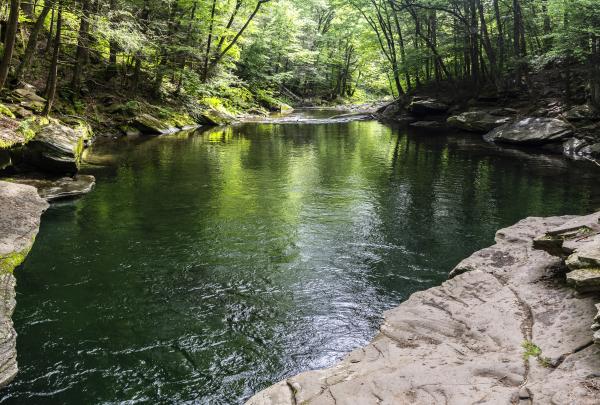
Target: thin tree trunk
209,41
82,45
9,43
237,36
33,41
53,74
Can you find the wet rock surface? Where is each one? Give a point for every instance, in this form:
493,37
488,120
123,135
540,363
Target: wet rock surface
19,224
504,329
61,188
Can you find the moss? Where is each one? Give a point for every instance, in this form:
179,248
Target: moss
10,262
5,111
533,350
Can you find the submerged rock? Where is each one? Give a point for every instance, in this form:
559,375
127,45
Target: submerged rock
531,131
477,121
430,125
60,189
19,224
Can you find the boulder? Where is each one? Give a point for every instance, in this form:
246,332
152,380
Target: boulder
19,224
581,148
427,107
531,131
580,113
477,121
584,280
215,117
28,99
55,148
59,189
149,125
284,108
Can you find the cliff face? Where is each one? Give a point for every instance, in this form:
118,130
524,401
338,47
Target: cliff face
20,212
506,328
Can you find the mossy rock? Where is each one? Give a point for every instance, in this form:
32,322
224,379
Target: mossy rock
149,125
214,117
6,112
55,148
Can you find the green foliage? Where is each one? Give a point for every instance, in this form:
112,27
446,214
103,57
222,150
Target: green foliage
532,350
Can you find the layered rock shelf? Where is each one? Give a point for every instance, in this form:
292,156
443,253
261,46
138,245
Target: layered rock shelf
507,327
21,209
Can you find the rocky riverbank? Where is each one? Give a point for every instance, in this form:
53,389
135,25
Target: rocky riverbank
21,209
551,125
511,325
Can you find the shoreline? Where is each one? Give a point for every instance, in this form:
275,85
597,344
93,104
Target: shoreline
505,328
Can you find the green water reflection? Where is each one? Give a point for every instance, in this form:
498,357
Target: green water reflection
206,266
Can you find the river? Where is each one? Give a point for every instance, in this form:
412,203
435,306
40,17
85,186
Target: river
208,265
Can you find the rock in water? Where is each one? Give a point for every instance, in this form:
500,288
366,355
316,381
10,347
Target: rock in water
477,121
60,189
500,330
531,131
19,224
215,117
149,125
55,148
427,107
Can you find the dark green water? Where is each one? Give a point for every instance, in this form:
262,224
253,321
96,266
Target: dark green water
207,266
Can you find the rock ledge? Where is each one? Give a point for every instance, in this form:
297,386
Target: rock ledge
21,209
506,328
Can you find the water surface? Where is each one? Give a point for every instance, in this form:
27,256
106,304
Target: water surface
206,266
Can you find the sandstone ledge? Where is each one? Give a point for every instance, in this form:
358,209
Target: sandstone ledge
505,329
20,212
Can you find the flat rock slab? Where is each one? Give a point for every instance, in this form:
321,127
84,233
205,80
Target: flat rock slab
62,188
21,209
531,131
464,341
477,121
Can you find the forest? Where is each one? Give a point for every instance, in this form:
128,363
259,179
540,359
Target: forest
239,54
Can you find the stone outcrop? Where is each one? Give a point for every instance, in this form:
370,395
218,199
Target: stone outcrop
21,209
477,121
504,329
531,131
59,189
149,125
427,106
215,117
51,146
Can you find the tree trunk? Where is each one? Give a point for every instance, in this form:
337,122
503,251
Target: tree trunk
82,45
9,43
209,41
53,74
33,41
